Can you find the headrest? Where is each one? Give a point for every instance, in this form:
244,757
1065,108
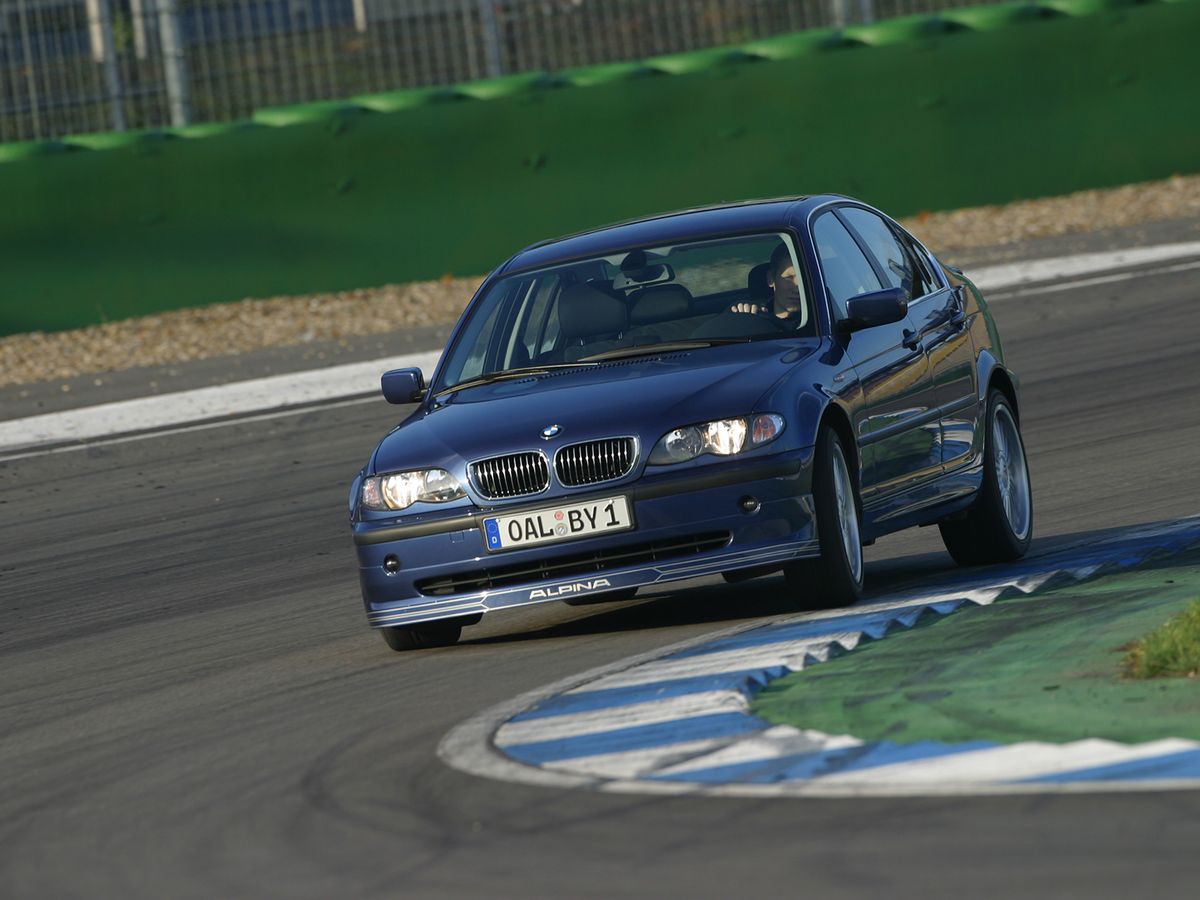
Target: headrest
757,284
584,311
661,303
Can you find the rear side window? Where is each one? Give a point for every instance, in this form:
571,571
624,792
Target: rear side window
847,271
886,247
923,269
903,261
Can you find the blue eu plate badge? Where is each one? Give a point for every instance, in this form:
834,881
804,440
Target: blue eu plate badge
492,529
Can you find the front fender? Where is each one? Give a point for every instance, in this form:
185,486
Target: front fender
823,381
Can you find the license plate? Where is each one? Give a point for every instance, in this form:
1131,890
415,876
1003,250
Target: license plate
562,523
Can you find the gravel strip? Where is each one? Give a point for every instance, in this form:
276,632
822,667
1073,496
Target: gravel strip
1177,197
233,328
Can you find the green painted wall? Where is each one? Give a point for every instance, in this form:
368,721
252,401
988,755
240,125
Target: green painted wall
981,106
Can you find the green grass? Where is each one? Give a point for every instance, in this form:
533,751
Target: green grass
1044,667
1172,649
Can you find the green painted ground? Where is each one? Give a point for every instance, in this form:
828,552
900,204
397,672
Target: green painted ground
1045,667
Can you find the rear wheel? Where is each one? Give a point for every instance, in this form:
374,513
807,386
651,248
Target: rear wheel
835,578
441,633
998,526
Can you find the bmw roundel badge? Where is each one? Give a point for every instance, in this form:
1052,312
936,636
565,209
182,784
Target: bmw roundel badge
551,431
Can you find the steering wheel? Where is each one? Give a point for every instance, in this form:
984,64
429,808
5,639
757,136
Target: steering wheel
734,324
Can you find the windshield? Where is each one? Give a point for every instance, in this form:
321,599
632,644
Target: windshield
696,294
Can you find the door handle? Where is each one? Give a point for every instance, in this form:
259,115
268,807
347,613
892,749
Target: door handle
911,340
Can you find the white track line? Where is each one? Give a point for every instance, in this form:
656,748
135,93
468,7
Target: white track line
636,763
1013,762
183,429
772,743
338,383
1042,289
220,402
650,712
1011,275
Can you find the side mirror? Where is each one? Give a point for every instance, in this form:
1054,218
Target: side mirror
875,308
403,386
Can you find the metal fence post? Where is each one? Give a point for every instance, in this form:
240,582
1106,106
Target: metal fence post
104,51
492,51
839,11
138,15
78,65
30,73
174,63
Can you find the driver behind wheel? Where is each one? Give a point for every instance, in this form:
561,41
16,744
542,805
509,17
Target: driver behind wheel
785,293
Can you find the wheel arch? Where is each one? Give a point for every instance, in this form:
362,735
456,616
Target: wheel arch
992,374
1002,381
839,420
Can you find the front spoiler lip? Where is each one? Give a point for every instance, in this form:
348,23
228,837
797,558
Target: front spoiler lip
637,576
708,478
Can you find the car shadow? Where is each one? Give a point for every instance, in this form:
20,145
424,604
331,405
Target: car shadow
762,598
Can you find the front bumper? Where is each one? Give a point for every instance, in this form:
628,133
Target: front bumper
687,524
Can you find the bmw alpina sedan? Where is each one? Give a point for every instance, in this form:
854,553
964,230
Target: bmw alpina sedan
737,390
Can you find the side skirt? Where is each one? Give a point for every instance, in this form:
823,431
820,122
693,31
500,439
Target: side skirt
925,504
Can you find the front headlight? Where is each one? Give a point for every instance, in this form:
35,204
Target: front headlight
723,437
400,490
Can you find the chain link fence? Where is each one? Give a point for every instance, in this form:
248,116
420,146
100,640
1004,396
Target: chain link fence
78,66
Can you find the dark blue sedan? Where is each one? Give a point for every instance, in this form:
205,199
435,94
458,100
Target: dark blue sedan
736,390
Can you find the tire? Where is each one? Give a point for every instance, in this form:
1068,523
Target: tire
998,526
835,577
441,633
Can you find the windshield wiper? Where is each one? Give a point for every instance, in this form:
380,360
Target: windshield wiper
664,347
505,375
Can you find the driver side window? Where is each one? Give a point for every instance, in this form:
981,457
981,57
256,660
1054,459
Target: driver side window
847,271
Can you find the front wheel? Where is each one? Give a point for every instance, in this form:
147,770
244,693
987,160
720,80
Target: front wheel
998,526
835,578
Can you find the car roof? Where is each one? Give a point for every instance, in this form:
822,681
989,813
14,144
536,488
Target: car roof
666,228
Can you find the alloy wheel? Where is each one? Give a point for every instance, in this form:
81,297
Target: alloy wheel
847,514
1012,475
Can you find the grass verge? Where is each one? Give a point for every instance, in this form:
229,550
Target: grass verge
1044,667
1172,649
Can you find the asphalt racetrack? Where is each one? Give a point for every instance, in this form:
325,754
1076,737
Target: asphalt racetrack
192,705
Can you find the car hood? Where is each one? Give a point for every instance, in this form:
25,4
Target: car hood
642,397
